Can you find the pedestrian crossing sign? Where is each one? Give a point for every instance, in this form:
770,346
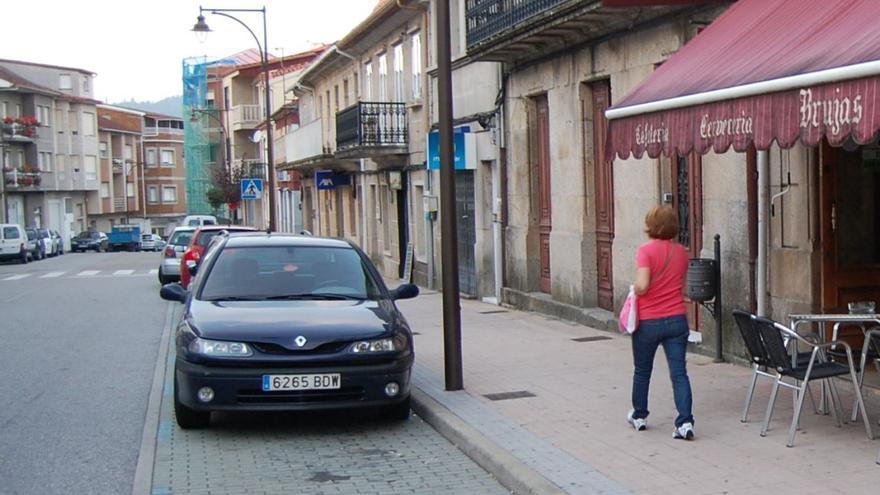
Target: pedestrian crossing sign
251,188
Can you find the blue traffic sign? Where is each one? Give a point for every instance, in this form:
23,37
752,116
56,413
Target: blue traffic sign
251,188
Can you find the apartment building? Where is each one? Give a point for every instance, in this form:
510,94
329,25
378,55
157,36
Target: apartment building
361,145
49,144
163,172
119,199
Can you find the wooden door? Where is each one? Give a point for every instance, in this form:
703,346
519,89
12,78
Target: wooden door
545,225
688,203
850,228
604,180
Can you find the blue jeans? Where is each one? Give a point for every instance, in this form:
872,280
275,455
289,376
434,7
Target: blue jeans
672,332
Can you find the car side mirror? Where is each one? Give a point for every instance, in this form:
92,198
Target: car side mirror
192,267
173,292
405,291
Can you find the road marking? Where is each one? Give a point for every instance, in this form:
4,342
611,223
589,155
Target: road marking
18,277
154,271
88,273
52,274
123,272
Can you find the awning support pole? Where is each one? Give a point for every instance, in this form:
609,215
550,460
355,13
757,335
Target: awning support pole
763,229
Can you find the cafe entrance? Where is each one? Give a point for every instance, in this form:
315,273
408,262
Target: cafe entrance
850,225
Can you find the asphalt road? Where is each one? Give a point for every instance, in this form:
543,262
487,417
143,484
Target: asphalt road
79,336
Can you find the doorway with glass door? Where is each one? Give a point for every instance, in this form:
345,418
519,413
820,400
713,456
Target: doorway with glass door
850,225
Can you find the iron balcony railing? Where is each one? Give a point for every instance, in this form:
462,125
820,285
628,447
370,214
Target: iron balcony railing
489,18
371,124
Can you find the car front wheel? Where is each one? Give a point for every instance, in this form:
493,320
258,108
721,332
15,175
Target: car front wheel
399,411
189,419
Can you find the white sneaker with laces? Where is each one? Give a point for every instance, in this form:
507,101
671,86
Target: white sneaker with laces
640,424
684,432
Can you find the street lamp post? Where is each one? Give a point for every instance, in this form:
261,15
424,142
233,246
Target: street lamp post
201,28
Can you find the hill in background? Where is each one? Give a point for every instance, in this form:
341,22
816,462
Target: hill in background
172,105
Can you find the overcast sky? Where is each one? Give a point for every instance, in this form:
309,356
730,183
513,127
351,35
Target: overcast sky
136,47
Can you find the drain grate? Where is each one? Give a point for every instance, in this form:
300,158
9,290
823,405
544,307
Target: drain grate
591,339
520,394
493,311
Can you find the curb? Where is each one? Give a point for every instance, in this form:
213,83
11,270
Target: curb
143,476
511,472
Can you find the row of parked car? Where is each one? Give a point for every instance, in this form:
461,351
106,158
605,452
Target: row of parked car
28,244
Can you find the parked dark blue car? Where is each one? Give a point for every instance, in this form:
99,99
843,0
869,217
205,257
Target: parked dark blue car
284,322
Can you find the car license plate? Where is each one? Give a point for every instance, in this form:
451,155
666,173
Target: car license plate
327,381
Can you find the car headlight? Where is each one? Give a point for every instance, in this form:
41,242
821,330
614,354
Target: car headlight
397,343
219,348
216,348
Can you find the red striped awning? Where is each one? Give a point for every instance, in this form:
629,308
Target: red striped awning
764,71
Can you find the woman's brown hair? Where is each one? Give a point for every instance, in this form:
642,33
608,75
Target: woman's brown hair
661,222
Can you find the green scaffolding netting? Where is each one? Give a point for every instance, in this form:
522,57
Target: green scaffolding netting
196,146
201,145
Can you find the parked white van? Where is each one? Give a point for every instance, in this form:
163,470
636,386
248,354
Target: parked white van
13,243
198,220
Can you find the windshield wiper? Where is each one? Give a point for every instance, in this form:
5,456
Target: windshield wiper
324,296
236,298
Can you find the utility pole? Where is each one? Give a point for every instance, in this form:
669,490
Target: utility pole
448,218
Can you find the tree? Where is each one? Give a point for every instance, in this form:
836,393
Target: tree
225,186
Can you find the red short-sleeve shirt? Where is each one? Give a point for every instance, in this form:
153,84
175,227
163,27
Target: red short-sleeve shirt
664,295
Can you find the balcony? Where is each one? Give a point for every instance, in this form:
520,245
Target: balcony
118,166
305,146
246,117
119,204
152,131
371,130
516,31
21,130
26,178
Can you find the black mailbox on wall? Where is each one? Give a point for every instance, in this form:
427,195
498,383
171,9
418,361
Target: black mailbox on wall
702,283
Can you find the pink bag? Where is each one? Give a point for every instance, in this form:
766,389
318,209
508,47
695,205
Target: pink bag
628,320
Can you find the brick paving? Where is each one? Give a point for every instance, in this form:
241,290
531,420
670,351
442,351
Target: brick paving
320,454
573,430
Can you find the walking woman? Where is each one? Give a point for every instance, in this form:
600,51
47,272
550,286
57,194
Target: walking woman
661,267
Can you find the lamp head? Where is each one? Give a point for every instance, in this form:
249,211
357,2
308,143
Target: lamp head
201,28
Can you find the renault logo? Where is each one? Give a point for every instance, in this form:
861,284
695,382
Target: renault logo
300,341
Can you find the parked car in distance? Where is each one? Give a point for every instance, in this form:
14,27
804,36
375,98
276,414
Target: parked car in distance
200,240
89,241
198,220
13,243
151,242
35,245
49,246
283,322
57,241
169,267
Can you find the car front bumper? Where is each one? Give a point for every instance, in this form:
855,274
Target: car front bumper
240,389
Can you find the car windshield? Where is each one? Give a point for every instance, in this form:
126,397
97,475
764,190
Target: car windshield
289,272
181,237
87,235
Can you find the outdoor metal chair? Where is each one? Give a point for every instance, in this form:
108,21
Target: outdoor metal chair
870,352
760,360
772,334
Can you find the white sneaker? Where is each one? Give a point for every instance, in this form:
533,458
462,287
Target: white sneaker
684,432
638,423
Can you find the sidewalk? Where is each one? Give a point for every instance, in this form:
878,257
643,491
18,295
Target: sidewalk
561,426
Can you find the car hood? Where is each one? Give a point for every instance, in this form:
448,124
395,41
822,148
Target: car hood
281,322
